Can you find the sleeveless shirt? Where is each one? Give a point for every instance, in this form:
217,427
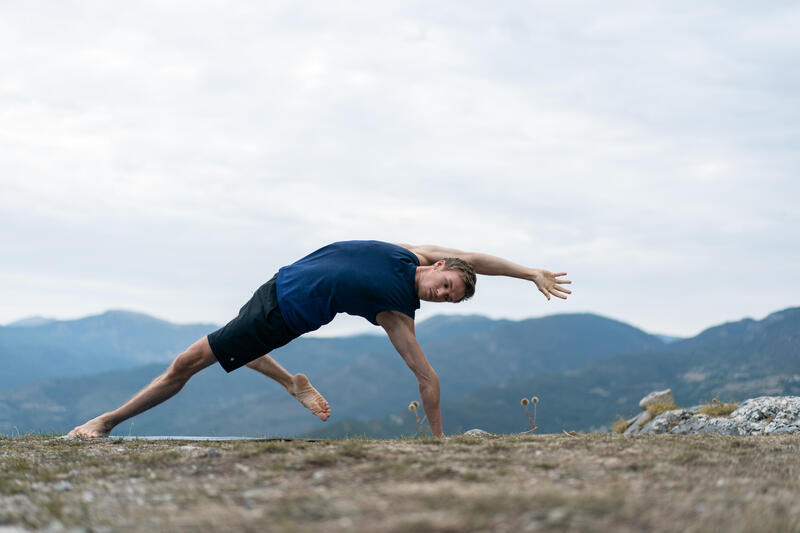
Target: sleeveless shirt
360,278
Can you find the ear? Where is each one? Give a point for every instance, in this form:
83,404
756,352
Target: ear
438,264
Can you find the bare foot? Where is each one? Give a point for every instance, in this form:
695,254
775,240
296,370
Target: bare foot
92,429
307,395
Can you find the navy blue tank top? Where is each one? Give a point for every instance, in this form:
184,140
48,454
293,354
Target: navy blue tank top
360,278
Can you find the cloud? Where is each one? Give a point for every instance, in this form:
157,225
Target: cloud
197,147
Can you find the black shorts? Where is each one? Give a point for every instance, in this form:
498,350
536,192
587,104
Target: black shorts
257,330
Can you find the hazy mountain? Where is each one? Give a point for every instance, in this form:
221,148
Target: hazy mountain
31,321
362,377
733,362
36,348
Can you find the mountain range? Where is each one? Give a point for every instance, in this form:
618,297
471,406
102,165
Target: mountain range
585,368
731,362
39,348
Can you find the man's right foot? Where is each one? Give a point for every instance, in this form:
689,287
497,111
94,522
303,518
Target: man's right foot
307,395
92,429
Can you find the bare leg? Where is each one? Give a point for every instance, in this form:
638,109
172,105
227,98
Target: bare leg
297,385
197,357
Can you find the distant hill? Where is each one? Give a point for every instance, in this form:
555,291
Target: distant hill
362,377
38,348
732,362
31,321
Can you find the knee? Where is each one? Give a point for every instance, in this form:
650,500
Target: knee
194,359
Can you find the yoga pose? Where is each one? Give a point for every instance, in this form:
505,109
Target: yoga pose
379,281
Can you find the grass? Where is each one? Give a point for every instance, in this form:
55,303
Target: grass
660,407
584,482
620,425
718,409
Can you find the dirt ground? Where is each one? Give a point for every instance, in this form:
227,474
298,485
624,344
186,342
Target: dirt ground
583,482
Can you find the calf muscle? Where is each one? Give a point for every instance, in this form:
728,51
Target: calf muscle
197,357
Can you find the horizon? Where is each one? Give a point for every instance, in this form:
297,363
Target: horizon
369,329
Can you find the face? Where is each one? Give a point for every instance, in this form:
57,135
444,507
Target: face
439,285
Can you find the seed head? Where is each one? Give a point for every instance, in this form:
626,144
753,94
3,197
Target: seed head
411,406
524,402
535,399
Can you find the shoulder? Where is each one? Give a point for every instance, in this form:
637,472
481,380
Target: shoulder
394,319
417,251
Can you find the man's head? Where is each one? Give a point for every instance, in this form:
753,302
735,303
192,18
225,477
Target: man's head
448,280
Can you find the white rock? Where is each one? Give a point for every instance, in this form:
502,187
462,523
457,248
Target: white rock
766,415
62,486
662,396
477,433
638,423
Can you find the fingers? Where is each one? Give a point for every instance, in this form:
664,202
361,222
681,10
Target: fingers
561,280
561,289
555,290
546,294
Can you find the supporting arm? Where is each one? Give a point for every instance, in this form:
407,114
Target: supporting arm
400,329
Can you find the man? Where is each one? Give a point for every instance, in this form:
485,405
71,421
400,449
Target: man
379,281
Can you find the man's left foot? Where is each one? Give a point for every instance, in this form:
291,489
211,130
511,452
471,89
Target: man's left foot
307,395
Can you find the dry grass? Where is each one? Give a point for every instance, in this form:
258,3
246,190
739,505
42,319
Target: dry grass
718,409
619,425
513,483
660,407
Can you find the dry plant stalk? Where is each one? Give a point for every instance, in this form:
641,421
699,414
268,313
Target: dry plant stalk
524,402
419,423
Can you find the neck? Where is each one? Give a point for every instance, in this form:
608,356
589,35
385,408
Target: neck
418,275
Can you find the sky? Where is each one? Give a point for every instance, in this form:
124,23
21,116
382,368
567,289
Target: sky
168,157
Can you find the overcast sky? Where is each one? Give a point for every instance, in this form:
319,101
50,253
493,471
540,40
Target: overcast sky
169,157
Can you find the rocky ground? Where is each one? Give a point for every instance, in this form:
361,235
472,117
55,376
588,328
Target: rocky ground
765,415
582,482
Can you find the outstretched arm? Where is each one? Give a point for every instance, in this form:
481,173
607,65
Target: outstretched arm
400,329
547,282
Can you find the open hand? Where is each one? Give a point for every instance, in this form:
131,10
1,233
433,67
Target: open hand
549,283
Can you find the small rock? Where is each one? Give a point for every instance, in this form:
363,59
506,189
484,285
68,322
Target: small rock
663,396
162,498
638,423
318,475
557,515
54,527
62,486
665,421
477,433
